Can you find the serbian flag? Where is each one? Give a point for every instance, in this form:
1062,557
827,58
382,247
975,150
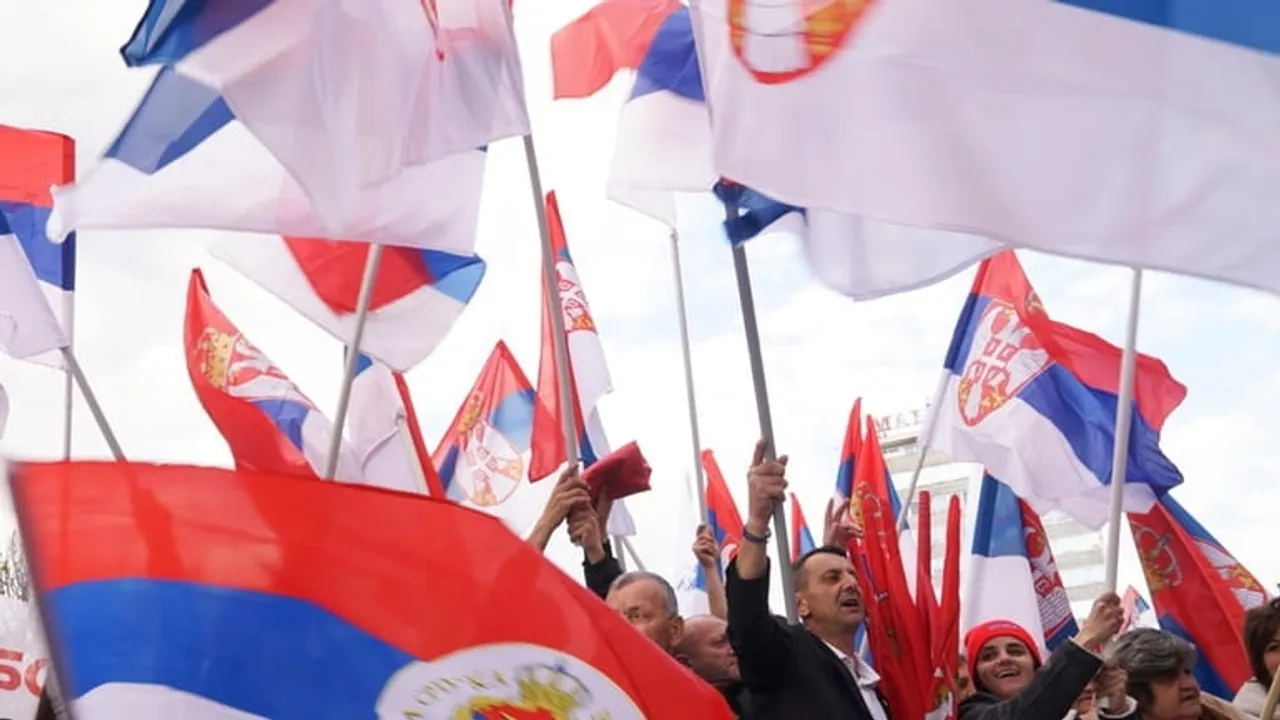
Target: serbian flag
1200,591
340,602
999,118
316,120
1010,572
849,457
664,135
37,277
726,524
1137,611
1035,402
267,422
801,538
481,457
587,369
417,294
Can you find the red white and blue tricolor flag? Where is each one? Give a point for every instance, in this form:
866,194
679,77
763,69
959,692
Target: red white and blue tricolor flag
268,423
200,593
1034,401
31,163
292,118
1200,591
801,538
722,513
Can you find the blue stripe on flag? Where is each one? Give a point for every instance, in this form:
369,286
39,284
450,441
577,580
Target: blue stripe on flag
264,654
671,63
288,415
53,263
457,276
175,116
171,29
1250,23
750,211
513,417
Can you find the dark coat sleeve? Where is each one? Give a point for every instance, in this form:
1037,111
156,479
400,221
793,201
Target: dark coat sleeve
765,650
1050,694
599,576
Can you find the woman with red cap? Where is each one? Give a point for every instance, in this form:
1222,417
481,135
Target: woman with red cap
1012,683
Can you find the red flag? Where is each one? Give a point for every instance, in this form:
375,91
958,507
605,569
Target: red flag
277,596
898,644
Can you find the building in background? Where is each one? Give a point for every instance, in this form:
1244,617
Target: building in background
1079,551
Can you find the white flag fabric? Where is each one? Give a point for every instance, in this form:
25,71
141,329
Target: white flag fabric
316,118
28,326
378,429
1102,129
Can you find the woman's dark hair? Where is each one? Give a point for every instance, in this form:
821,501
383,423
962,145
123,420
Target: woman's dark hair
1149,655
1260,627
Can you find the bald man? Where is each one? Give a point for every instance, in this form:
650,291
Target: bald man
705,648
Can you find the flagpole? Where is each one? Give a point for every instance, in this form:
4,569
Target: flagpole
1124,421
68,252
421,459
752,330
683,314
372,260
68,381
923,443
91,399
626,543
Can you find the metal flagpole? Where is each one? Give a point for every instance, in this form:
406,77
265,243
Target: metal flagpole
626,543
68,381
90,399
782,540
372,260
923,443
682,313
743,274
1124,421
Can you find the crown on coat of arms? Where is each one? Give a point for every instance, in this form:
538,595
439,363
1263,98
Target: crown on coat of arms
215,348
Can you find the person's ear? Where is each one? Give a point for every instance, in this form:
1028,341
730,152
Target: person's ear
677,629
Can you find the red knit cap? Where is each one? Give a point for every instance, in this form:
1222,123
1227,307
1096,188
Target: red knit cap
986,632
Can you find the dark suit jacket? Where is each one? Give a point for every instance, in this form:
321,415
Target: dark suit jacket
790,673
1050,694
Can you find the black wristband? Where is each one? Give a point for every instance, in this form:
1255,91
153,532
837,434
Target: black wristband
752,537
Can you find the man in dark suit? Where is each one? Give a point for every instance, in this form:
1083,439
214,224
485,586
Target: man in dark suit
810,670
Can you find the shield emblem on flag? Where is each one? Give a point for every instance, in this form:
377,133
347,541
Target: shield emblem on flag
492,468
1003,358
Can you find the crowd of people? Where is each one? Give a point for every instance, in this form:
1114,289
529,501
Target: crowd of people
769,669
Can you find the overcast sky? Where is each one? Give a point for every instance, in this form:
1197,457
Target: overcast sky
60,70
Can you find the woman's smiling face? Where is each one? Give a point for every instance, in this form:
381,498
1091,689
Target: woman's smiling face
1005,666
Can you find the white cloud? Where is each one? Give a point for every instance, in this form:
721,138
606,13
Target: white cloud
60,69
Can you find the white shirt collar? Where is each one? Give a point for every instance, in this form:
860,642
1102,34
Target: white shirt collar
863,674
